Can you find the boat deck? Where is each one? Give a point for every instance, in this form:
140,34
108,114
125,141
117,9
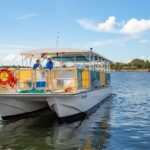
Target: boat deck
48,94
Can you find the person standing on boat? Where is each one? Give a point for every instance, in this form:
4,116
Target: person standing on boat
49,64
37,65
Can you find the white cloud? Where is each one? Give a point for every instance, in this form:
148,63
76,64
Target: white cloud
26,16
107,26
109,42
87,24
143,57
144,41
134,26
12,46
9,53
96,44
11,57
131,27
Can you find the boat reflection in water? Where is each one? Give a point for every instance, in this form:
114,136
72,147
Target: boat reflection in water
45,131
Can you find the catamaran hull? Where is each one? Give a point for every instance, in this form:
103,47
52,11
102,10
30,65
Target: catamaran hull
63,105
70,105
10,107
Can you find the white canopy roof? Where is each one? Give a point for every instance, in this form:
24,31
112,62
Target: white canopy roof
54,52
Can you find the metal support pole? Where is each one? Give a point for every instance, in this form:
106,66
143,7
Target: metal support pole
26,62
22,61
57,39
90,64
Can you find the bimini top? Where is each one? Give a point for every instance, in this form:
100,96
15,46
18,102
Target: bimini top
64,54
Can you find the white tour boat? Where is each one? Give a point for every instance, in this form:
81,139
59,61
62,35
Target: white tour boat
79,80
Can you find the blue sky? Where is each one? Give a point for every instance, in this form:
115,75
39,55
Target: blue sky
117,29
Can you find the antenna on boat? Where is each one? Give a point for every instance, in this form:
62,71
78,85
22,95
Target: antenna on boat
92,59
57,39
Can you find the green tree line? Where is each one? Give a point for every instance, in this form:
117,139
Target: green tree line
13,66
136,64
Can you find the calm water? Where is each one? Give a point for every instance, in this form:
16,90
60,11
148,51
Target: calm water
121,123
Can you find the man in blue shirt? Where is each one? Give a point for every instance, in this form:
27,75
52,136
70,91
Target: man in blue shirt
37,65
49,64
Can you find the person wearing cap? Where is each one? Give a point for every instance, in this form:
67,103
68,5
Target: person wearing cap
37,65
49,64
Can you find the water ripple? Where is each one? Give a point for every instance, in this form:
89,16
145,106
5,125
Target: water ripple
121,123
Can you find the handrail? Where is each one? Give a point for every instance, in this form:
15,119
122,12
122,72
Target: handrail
42,79
59,81
25,83
56,79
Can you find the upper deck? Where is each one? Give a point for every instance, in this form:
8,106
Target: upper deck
69,57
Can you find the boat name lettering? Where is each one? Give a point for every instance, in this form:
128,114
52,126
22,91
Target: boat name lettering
84,96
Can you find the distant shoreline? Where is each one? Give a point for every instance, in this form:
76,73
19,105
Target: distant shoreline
138,70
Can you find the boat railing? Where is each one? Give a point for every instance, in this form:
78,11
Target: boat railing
68,80
25,79
86,78
29,79
64,79
102,79
42,79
